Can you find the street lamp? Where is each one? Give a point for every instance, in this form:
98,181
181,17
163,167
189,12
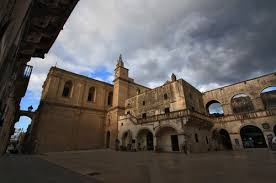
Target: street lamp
30,108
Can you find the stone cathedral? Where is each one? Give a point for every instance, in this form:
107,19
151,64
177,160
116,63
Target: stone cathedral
80,113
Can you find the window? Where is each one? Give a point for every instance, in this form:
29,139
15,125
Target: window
207,140
196,138
128,112
144,115
110,98
165,96
167,110
214,108
67,89
138,91
241,103
91,94
144,102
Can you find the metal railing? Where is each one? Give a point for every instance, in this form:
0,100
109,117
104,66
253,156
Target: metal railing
249,115
27,71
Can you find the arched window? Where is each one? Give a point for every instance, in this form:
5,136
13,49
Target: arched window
91,94
67,89
138,91
165,96
241,103
268,96
110,98
214,108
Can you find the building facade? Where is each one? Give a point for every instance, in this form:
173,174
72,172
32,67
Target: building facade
77,113
27,29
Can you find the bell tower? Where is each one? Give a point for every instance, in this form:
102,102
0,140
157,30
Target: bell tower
120,70
120,94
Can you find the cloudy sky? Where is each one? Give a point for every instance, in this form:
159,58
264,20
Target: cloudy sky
209,43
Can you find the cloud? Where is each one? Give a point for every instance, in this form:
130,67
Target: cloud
209,43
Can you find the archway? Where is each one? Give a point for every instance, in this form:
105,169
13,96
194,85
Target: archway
19,134
107,140
214,108
252,137
241,103
167,139
268,96
225,139
127,140
145,140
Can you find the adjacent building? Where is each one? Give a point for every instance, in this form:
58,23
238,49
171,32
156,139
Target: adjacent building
28,28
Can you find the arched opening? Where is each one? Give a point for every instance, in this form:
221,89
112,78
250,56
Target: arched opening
107,140
19,134
167,139
214,108
67,89
252,137
110,98
221,140
268,96
225,140
241,103
126,140
91,94
145,140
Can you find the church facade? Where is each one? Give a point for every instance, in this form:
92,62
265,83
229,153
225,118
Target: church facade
79,113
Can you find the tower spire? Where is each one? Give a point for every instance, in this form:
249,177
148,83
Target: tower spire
120,62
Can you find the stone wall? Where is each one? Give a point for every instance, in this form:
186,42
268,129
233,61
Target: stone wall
251,88
72,122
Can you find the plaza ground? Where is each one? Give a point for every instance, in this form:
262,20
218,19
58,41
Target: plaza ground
254,166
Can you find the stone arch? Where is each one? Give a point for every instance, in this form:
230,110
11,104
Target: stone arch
222,137
252,137
214,108
67,88
126,139
268,96
144,139
241,103
19,133
171,125
167,139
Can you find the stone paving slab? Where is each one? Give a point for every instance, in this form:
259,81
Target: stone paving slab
256,166
31,169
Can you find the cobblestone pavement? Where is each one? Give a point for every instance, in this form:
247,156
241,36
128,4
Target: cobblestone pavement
252,166
31,169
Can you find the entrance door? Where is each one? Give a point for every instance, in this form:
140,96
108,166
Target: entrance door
149,141
174,141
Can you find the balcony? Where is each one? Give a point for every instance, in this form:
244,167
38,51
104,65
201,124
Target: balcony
243,116
22,80
195,118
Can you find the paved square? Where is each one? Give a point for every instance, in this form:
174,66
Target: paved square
253,166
